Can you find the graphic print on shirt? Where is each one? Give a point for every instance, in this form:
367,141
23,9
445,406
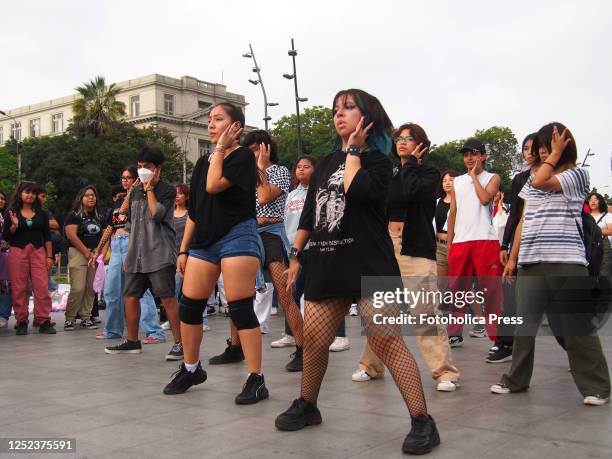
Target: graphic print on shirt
330,203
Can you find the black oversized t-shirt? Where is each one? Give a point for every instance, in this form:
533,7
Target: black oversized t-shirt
89,228
349,237
215,214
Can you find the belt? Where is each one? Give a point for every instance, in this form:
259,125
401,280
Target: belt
261,221
442,241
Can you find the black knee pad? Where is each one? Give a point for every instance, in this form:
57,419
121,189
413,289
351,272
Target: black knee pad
191,311
242,314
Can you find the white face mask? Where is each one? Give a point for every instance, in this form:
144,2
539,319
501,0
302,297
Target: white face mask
144,174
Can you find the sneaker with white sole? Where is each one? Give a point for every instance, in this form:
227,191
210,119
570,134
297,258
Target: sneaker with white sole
3,322
361,376
205,327
126,347
478,332
455,341
285,341
353,310
165,325
447,386
341,343
503,354
596,400
274,311
500,388
176,352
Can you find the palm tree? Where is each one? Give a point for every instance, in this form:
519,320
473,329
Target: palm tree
97,108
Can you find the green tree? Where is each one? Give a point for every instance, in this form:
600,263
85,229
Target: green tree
8,166
97,108
318,133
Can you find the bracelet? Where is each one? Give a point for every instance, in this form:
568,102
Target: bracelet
546,162
183,253
220,147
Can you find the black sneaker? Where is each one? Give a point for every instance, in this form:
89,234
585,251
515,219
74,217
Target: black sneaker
299,415
423,436
297,360
88,324
253,391
455,341
126,347
68,325
503,354
184,379
231,354
176,353
47,328
21,328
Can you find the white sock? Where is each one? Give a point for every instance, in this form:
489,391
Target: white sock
191,367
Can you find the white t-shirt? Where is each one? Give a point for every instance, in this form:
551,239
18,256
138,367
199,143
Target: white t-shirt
605,222
474,222
293,210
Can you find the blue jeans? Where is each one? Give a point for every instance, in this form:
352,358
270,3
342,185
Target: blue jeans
179,293
114,315
5,306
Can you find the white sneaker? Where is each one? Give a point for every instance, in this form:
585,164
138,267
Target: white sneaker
285,341
353,311
340,344
274,311
3,322
360,376
447,386
165,325
205,327
500,389
596,400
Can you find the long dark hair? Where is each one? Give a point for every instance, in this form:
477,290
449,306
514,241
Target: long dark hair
5,202
260,136
311,159
16,203
379,137
452,173
416,131
184,189
77,204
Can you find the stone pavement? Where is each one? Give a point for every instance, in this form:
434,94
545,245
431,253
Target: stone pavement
65,386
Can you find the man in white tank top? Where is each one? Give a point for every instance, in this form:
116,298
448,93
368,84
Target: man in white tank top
472,239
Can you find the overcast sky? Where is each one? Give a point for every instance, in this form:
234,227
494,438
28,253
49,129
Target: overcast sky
452,67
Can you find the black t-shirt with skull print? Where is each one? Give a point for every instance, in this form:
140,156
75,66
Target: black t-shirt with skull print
348,231
89,228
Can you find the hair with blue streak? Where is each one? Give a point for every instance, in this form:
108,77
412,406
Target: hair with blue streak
379,137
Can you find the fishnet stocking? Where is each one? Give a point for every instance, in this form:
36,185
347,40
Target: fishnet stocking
321,320
292,310
388,344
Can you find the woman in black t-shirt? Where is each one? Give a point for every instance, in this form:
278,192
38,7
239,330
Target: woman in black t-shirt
344,221
26,229
83,227
221,237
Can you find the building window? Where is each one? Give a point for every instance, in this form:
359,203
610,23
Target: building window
135,106
203,147
35,127
16,131
203,104
1,135
168,104
57,123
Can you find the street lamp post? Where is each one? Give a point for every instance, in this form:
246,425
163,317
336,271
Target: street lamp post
16,147
293,52
588,153
259,81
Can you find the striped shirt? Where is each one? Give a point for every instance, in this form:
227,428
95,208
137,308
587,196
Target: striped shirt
280,177
550,230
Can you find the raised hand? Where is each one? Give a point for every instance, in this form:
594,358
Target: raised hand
359,136
477,169
263,156
230,135
559,141
14,219
154,180
419,151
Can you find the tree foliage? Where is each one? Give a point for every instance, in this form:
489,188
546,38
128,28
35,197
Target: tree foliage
97,109
317,129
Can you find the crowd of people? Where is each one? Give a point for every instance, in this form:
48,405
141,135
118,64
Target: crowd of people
246,228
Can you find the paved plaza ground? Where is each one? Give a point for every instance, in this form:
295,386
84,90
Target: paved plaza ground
65,386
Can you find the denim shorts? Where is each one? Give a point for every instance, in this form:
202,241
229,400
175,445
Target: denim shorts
241,241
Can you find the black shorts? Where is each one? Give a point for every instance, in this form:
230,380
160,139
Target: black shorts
161,283
274,248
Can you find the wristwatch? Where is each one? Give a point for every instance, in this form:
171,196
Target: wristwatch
295,253
354,150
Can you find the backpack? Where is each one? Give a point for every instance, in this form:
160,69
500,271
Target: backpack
593,244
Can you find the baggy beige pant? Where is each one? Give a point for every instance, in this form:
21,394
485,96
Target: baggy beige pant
81,297
431,339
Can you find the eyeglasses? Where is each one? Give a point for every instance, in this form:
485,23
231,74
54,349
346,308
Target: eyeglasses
89,195
127,177
399,139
